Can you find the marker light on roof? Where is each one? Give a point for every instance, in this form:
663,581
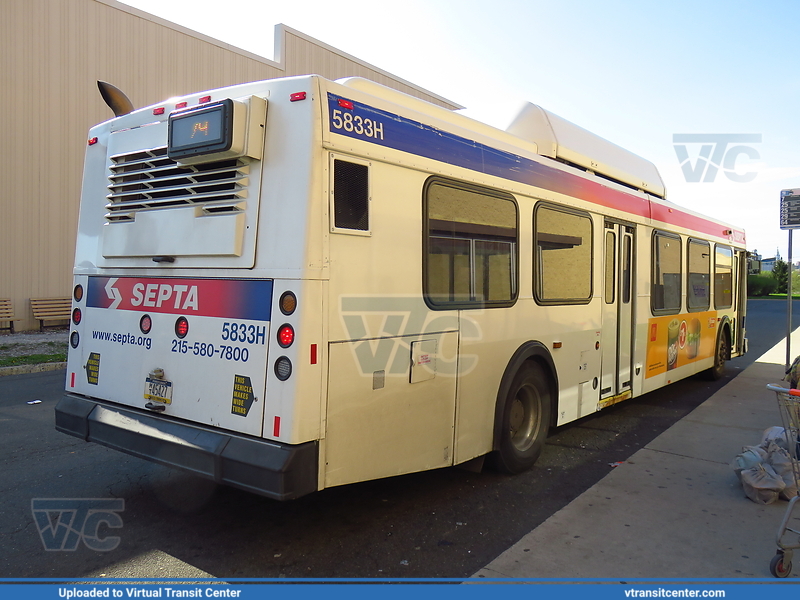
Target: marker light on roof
205,99
346,104
181,105
158,111
297,96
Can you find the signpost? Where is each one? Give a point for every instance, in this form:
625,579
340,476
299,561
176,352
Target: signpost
790,219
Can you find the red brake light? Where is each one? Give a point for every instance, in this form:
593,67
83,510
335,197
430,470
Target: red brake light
181,327
146,324
285,336
76,316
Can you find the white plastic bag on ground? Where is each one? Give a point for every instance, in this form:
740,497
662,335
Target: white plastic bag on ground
775,435
780,461
762,484
749,457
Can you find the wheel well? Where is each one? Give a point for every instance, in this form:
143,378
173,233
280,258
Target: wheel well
725,329
530,352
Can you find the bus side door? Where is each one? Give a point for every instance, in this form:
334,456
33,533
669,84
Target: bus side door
618,315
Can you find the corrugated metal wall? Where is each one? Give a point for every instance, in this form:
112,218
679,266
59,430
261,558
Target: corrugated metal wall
52,52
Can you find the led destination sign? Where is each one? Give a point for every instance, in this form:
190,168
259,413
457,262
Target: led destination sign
204,130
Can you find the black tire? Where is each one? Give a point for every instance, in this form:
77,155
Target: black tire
720,356
778,567
525,420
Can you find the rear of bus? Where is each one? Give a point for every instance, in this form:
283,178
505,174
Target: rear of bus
193,272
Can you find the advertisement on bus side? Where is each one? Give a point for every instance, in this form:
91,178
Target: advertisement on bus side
677,340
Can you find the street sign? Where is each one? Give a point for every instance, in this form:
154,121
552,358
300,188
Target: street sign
790,209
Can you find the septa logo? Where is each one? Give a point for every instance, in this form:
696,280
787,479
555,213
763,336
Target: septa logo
156,295
249,299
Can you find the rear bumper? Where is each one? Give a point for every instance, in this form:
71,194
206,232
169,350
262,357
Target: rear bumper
272,469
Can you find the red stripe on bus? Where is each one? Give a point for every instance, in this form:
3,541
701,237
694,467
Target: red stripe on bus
675,216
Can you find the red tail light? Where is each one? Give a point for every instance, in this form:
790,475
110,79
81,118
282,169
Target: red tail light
285,335
181,327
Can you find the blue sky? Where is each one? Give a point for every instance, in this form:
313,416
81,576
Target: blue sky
634,72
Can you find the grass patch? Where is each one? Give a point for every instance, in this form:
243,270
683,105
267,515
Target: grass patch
781,297
32,359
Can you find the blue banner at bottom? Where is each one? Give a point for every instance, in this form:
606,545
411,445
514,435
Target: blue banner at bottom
473,589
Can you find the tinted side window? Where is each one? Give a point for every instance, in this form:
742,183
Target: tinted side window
563,260
723,277
666,273
698,290
471,243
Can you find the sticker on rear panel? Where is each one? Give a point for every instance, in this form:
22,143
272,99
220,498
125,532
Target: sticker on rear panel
243,396
93,368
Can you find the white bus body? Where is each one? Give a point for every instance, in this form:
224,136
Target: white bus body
296,284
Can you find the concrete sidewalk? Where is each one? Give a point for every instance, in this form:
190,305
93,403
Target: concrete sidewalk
675,509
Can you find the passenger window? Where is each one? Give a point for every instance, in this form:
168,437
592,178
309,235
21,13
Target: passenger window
471,243
563,256
723,277
698,290
666,274
611,267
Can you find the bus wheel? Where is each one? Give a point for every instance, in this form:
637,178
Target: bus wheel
718,370
526,420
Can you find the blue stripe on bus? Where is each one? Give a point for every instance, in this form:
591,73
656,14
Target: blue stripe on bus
367,123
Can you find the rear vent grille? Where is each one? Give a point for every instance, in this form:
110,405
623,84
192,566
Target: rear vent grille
350,195
149,180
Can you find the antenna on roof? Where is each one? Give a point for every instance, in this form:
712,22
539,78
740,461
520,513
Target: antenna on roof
115,98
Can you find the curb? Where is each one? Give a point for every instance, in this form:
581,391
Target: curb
40,368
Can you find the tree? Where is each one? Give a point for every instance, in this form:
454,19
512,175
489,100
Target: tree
781,274
762,284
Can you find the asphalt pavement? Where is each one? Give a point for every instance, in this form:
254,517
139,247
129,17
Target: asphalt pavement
675,508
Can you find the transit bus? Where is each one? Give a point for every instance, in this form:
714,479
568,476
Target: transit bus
294,284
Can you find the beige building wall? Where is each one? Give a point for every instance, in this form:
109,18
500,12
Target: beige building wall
52,52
